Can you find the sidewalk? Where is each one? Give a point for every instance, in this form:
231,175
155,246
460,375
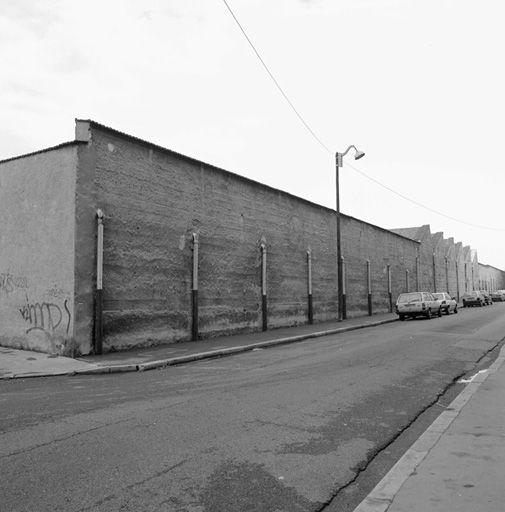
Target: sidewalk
23,363
458,464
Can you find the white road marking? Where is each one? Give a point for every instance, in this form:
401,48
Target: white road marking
465,381
382,496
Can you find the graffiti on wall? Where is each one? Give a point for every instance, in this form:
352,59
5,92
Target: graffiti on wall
10,283
55,291
46,316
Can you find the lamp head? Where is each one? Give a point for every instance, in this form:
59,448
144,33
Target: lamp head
340,156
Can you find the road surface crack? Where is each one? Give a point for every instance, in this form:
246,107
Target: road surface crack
59,439
373,454
131,486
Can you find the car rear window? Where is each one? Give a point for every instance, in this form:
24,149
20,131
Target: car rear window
409,297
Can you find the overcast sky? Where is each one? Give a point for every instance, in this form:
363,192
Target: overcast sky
418,85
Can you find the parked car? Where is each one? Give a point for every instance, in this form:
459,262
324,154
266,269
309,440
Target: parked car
487,297
497,296
473,299
417,304
447,303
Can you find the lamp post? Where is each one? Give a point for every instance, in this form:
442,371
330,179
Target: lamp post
339,161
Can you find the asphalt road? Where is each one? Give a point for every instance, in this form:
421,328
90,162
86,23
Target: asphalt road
274,430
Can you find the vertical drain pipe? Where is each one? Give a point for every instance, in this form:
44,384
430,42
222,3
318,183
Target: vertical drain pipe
309,286
417,273
99,284
344,290
264,286
390,295
457,280
447,275
369,287
434,274
194,290
407,279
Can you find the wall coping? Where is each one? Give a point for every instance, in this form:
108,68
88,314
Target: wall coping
45,150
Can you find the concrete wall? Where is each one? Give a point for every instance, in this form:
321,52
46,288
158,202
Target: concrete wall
491,278
451,266
467,268
37,198
362,242
475,271
154,200
439,255
426,278
443,264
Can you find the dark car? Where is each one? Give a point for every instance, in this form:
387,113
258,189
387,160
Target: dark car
497,296
473,299
487,297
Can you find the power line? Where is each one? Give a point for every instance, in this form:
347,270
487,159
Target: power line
285,96
417,203
324,146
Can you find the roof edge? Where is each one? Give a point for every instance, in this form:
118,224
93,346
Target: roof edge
490,266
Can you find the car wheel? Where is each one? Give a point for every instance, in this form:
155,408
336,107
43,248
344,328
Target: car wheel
402,317
455,309
428,314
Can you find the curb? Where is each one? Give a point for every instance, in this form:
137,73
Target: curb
31,375
382,495
211,354
247,348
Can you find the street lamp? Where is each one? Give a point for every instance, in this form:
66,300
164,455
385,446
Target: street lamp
339,160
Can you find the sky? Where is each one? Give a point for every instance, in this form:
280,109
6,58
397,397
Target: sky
419,86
